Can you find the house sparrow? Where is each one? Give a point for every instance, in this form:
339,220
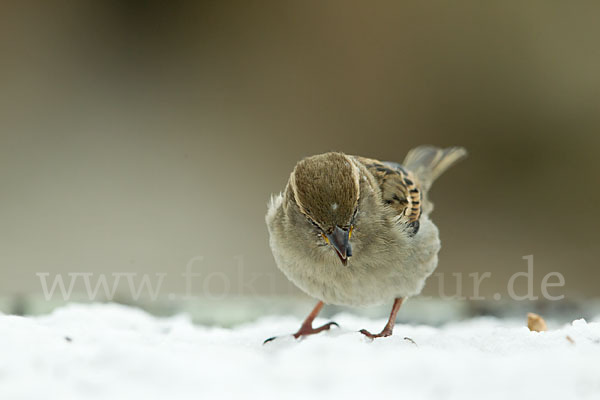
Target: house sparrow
355,231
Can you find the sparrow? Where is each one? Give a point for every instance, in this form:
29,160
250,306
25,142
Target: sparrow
355,231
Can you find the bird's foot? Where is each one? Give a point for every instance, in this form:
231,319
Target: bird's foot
306,330
383,333
309,330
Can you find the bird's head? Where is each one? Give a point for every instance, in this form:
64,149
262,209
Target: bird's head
326,189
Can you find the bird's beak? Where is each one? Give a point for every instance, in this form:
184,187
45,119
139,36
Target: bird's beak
339,240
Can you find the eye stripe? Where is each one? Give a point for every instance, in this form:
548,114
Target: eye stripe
314,223
354,215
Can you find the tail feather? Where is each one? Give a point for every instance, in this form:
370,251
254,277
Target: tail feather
428,162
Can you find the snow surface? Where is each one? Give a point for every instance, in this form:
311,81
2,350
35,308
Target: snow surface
118,352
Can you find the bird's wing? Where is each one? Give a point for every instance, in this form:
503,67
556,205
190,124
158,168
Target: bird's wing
399,189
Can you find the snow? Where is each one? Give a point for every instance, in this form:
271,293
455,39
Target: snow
118,352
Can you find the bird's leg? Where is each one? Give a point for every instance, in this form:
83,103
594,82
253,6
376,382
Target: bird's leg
307,328
389,327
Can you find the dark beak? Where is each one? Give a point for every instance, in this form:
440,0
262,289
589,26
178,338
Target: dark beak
339,240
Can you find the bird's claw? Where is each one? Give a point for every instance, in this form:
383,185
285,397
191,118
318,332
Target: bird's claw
410,340
270,339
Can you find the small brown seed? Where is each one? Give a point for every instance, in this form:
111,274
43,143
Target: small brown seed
536,323
570,339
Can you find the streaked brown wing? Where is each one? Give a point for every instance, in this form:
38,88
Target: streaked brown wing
399,189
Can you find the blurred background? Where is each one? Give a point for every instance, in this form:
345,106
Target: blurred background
145,136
